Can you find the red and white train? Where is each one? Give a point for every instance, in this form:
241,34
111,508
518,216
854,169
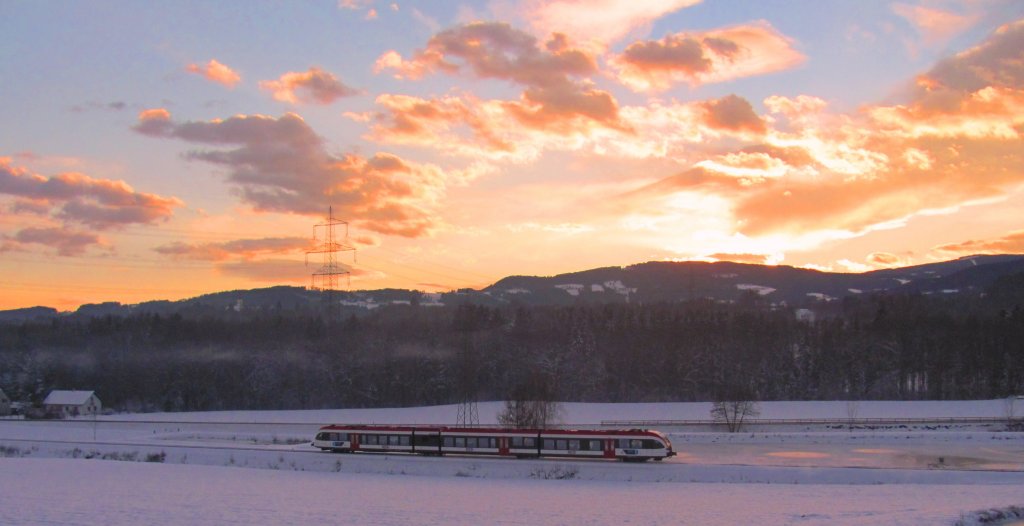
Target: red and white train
631,445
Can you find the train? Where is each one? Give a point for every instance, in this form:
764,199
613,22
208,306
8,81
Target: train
628,445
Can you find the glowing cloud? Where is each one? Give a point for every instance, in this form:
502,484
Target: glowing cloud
601,22
1011,243
553,97
267,270
282,165
216,72
66,242
78,198
936,26
244,248
315,86
705,57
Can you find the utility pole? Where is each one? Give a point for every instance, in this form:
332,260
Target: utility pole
326,278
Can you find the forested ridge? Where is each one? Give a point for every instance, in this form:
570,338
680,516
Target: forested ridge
862,347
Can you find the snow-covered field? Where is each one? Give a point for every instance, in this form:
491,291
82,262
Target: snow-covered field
258,468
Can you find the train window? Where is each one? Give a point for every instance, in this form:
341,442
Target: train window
549,444
460,441
517,441
493,442
471,442
653,444
529,442
370,440
595,445
449,442
343,437
636,444
622,443
574,445
393,440
561,444
321,436
403,440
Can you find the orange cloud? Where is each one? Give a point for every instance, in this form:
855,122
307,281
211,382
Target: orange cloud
282,165
431,122
553,97
67,242
267,270
808,176
885,259
700,58
732,113
600,22
1011,243
754,259
244,248
935,25
78,198
216,72
315,86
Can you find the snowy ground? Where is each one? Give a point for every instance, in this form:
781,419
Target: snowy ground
54,473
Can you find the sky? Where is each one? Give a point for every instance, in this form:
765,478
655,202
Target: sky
163,150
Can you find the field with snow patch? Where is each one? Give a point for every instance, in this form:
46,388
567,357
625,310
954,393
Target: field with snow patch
258,468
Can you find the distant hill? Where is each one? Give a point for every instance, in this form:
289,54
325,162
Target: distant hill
642,283
29,313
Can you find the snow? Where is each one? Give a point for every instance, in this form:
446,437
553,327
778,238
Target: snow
96,492
619,288
257,467
573,289
821,296
760,289
67,397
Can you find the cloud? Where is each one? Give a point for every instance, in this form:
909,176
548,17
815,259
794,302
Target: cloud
732,113
598,22
77,198
216,72
267,270
315,86
885,259
705,57
753,259
1011,243
936,26
282,165
802,175
554,97
461,124
244,248
68,242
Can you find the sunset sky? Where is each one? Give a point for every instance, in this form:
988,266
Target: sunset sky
162,150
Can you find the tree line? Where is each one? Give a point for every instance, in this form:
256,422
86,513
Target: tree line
860,348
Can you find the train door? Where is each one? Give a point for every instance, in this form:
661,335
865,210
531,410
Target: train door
355,441
609,448
503,446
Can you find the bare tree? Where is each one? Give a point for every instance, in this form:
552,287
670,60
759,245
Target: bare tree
733,413
852,409
1010,411
532,406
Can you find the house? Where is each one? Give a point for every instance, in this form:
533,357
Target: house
62,404
5,404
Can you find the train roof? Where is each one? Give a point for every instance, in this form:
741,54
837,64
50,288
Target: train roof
490,430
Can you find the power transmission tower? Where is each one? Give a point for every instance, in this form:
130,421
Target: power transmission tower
468,416
326,278
468,371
